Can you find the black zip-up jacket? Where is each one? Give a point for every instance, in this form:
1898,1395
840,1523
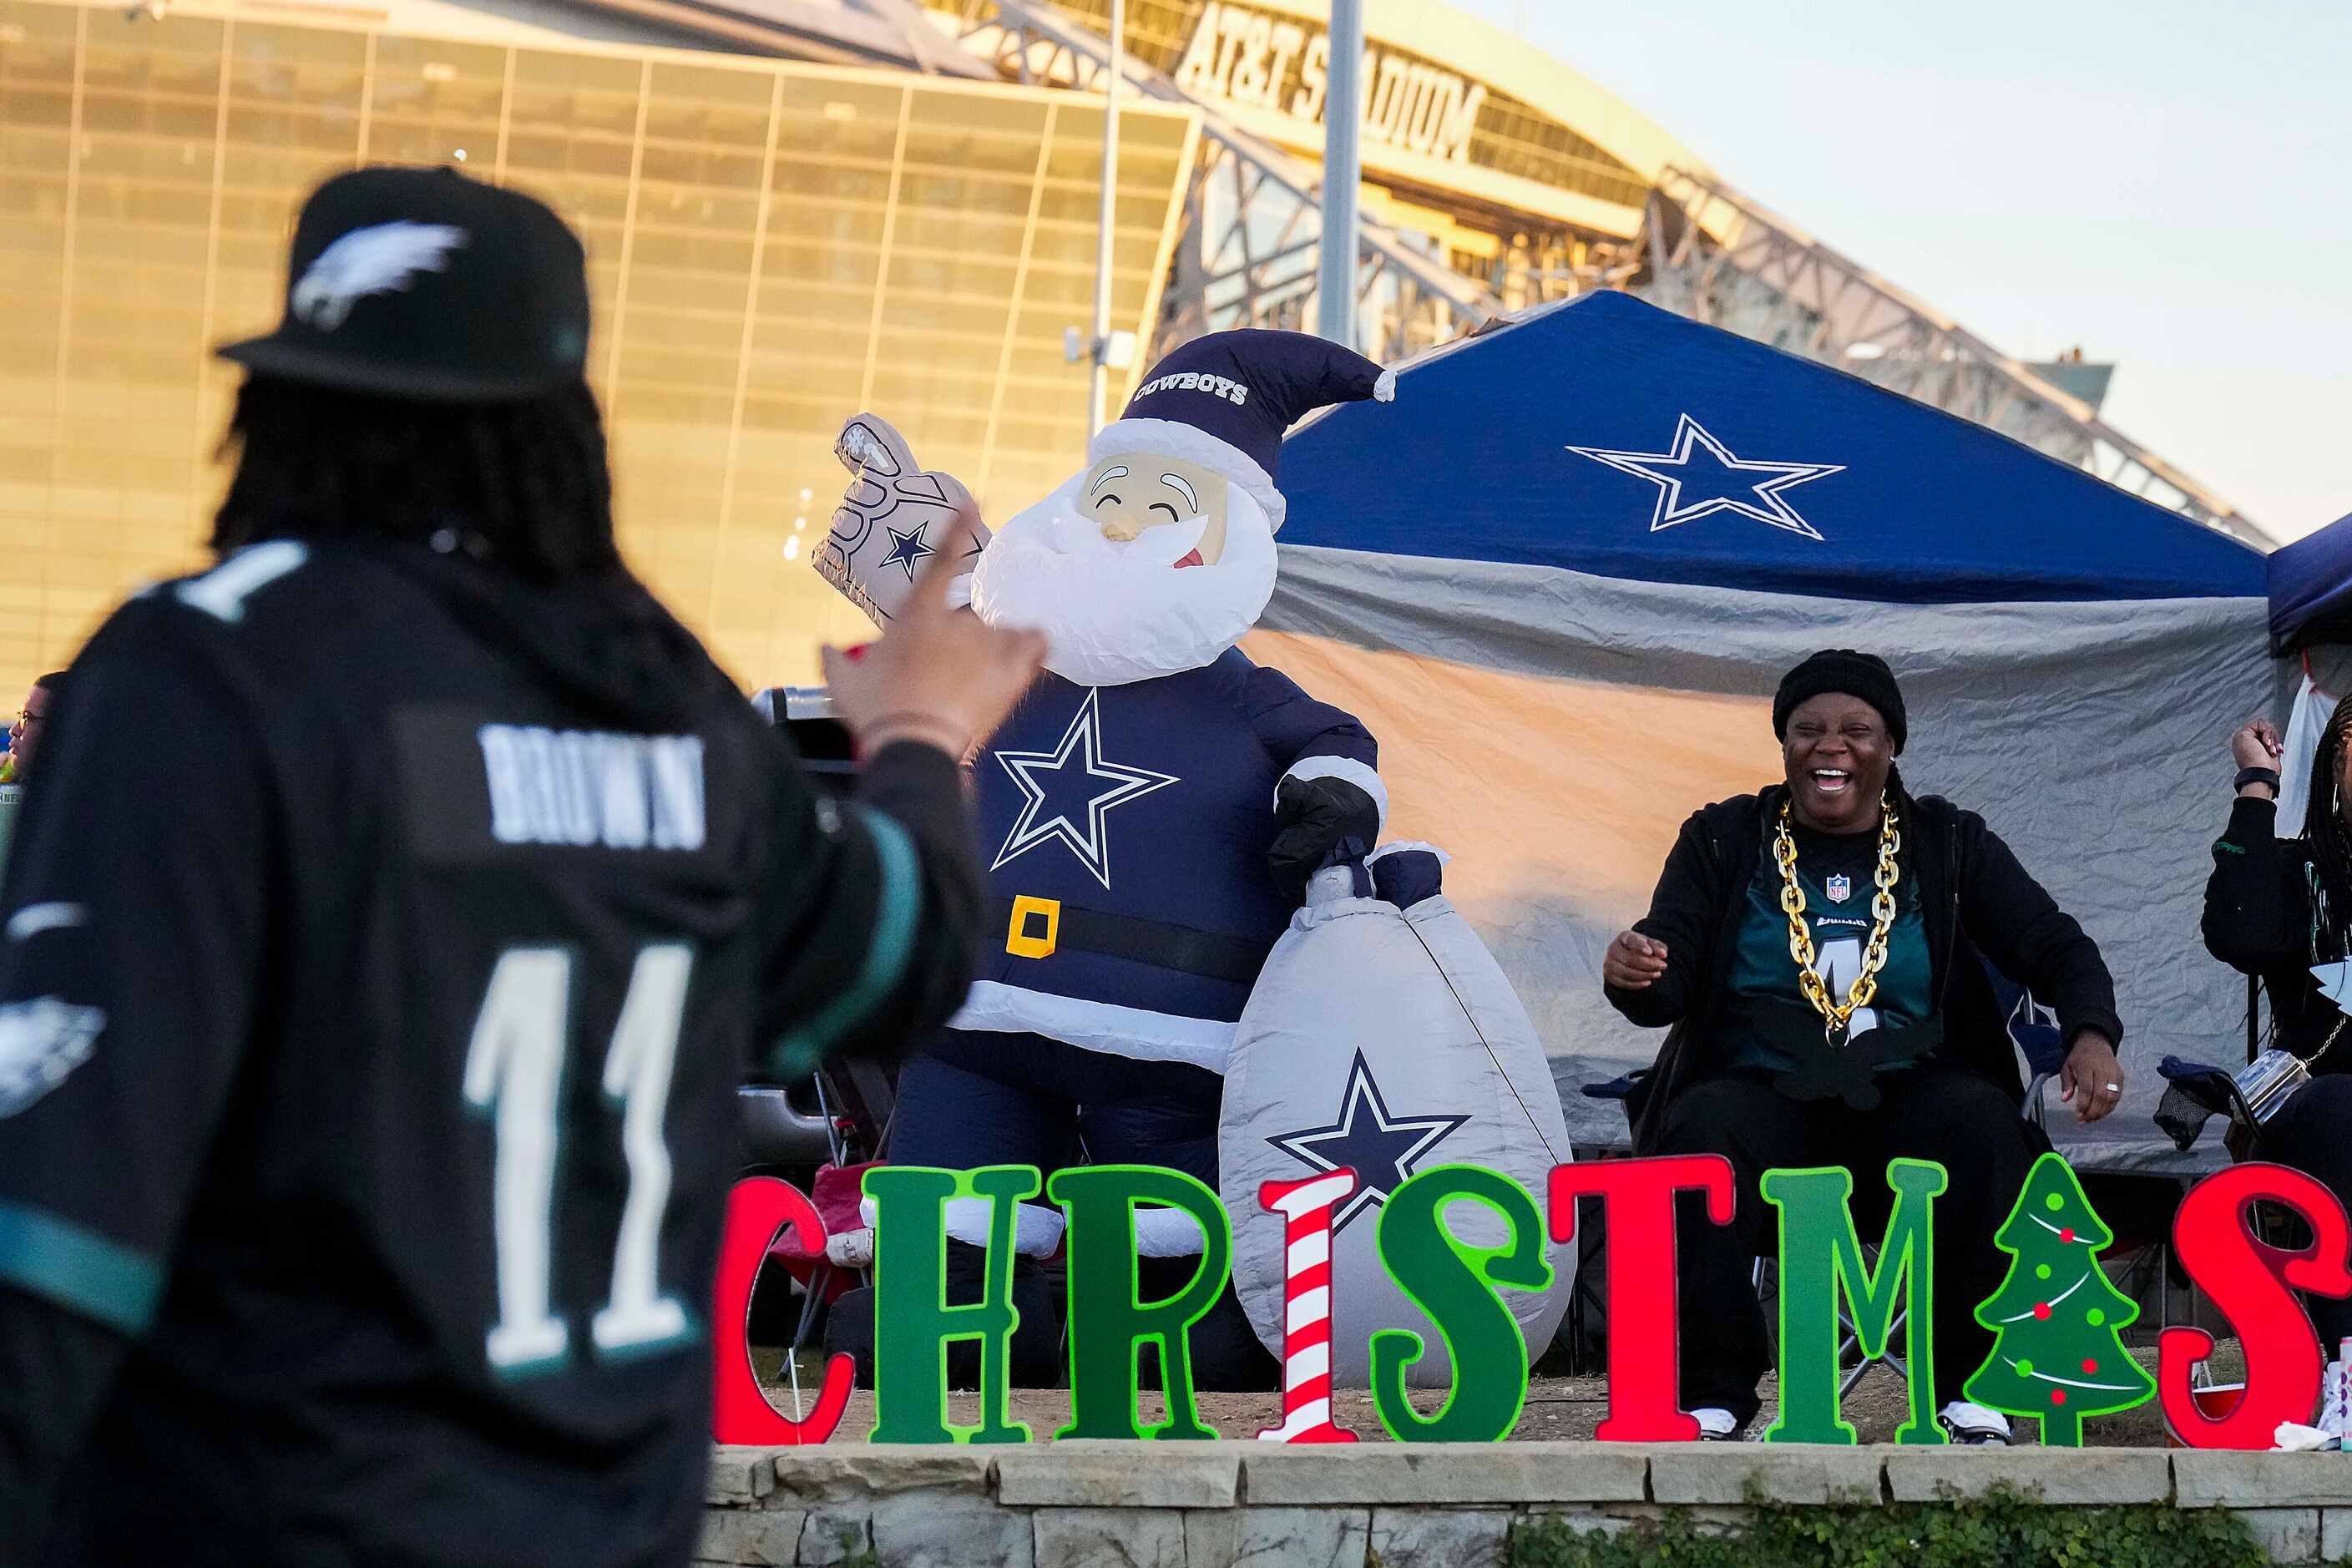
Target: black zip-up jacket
1976,901
2258,922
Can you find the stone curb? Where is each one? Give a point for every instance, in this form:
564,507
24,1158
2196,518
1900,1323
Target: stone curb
1112,1475
1721,1473
1240,1473
832,1471
2086,1476
1399,1474
1231,1502
2215,1478
741,1477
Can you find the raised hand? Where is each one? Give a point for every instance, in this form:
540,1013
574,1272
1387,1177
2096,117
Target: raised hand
938,674
2257,745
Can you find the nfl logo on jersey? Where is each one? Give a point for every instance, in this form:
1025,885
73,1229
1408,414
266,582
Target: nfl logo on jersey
1839,887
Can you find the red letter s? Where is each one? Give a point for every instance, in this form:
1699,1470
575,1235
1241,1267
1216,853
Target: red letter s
2249,1282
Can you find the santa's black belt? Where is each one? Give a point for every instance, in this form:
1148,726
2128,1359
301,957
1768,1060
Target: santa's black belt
1039,927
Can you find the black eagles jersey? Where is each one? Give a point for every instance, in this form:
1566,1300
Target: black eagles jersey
382,944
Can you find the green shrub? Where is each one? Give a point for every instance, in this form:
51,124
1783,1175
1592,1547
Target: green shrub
2002,1529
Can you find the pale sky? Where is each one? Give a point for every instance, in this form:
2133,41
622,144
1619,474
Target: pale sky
2166,183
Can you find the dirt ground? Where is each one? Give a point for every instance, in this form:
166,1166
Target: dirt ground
1556,1407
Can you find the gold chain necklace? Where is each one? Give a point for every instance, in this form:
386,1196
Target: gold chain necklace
1835,1016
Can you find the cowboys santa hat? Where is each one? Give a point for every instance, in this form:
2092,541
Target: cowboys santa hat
1225,400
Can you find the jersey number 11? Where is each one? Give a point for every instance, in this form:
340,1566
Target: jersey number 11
514,1071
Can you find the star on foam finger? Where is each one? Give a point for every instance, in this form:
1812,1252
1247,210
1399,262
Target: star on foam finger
1700,477
906,547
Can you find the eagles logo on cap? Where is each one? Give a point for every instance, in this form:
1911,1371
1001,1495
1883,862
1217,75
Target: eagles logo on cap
420,283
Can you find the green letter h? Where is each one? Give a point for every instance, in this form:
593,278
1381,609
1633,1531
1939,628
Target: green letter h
914,1324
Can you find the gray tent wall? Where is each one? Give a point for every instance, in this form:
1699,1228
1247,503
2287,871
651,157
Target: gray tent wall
1552,730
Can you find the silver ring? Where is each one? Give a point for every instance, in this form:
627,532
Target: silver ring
2113,1088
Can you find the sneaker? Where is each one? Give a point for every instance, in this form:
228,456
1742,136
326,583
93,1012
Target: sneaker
1717,1425
1974,1426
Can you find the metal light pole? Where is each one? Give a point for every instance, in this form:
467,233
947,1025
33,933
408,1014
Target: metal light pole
1343,115
1099,376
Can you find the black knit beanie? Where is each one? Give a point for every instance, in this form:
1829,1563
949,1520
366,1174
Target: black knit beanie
1841,669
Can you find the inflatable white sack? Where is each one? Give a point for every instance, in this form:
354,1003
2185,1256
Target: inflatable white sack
1383,1036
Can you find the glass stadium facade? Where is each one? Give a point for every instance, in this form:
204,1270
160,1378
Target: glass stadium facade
773,245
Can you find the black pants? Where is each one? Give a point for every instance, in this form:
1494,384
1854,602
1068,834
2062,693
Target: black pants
973,1099
2313,1132
1946,1114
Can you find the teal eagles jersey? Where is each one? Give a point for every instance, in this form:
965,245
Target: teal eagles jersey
1836,876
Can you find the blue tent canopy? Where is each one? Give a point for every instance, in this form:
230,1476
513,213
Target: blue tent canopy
2311,589
1607,437
1562,574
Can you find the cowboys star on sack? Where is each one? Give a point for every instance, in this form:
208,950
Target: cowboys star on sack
1152,811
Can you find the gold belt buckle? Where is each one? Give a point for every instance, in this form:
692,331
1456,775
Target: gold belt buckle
1017,940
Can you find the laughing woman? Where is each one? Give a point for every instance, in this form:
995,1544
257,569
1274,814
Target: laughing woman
1817,949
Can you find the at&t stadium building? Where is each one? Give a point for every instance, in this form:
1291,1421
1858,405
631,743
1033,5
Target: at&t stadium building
796,209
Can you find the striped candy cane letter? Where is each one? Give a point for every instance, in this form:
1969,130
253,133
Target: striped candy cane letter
1305,1209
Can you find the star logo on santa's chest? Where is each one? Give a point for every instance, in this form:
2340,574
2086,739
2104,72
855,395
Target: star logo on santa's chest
906,547
1698,477
1068,791
1382,1149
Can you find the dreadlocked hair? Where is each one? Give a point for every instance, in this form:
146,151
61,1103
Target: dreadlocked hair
524,484
2326,837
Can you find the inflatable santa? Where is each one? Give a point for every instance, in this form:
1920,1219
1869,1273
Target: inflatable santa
1149,815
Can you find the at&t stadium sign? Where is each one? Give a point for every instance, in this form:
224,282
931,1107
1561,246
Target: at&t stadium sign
1248,57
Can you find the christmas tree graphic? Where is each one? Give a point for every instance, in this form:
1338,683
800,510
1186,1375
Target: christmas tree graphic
2058,1321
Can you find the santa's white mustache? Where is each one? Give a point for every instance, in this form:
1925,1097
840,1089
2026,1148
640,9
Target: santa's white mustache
1161,544
1120,610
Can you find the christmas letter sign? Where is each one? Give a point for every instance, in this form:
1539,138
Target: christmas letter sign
2249,1281
1645,1344
2058,1354
2058,1351
912,1320
758,1210
1305,1207
1109,1321
1820,1257
1454,1283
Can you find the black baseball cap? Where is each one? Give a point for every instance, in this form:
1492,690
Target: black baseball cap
424,284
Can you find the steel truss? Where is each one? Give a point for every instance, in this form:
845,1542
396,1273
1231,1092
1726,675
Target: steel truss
1769,281
1253,218
1253,222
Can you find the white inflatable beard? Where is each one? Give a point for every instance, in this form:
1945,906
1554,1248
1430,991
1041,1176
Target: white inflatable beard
1115,613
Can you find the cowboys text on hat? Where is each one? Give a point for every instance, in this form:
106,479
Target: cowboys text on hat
1233,392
